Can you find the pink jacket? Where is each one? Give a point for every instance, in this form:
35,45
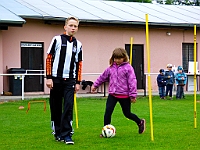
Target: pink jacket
122,80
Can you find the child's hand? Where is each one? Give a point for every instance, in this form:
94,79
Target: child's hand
49,83
77,87
133,100
93,89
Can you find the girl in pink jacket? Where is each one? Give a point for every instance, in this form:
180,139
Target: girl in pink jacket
122,87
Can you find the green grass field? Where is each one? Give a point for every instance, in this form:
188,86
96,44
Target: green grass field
173,126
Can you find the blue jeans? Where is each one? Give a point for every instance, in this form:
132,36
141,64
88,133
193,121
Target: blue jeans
179,92
161,91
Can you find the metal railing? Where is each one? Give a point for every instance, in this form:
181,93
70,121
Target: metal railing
22,76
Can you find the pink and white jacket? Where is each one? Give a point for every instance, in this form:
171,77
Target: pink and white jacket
122,80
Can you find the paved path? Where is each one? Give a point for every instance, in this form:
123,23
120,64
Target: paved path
13,98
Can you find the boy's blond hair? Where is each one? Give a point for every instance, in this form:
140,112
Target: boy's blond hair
71,18
119,53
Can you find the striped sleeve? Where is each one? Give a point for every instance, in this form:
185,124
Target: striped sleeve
79,66
49,59
52,46
49,66
79,72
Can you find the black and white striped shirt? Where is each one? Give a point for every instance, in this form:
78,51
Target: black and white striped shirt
66,52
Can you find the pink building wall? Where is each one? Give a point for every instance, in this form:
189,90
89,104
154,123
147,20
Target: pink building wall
1,62
98,44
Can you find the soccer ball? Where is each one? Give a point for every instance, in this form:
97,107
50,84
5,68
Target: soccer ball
108,131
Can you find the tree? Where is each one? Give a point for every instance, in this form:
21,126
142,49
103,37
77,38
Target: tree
179,2
168,2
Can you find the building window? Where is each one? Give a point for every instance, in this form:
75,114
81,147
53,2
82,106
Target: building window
187,54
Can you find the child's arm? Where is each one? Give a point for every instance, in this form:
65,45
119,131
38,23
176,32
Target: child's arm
50,56
178,77
79,65
132,83
49,62
174,78
159,79
166,76
104,77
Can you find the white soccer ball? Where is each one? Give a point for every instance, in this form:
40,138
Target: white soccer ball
108,131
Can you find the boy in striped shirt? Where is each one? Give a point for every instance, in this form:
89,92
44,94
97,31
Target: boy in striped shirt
63,72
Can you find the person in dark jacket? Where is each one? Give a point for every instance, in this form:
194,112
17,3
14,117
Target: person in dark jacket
170,80
161,83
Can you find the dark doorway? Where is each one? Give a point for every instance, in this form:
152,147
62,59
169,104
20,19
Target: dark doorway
32,60
137,63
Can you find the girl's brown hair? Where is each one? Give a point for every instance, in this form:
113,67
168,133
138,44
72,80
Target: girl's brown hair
119,53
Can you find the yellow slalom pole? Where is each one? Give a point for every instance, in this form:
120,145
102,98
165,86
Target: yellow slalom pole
76,112
195,102
131,52
149,77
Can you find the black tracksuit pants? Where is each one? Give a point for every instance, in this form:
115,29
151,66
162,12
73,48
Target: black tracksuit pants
126,108
169,88
62,113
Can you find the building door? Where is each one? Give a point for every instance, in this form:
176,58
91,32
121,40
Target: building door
137,63
32,60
